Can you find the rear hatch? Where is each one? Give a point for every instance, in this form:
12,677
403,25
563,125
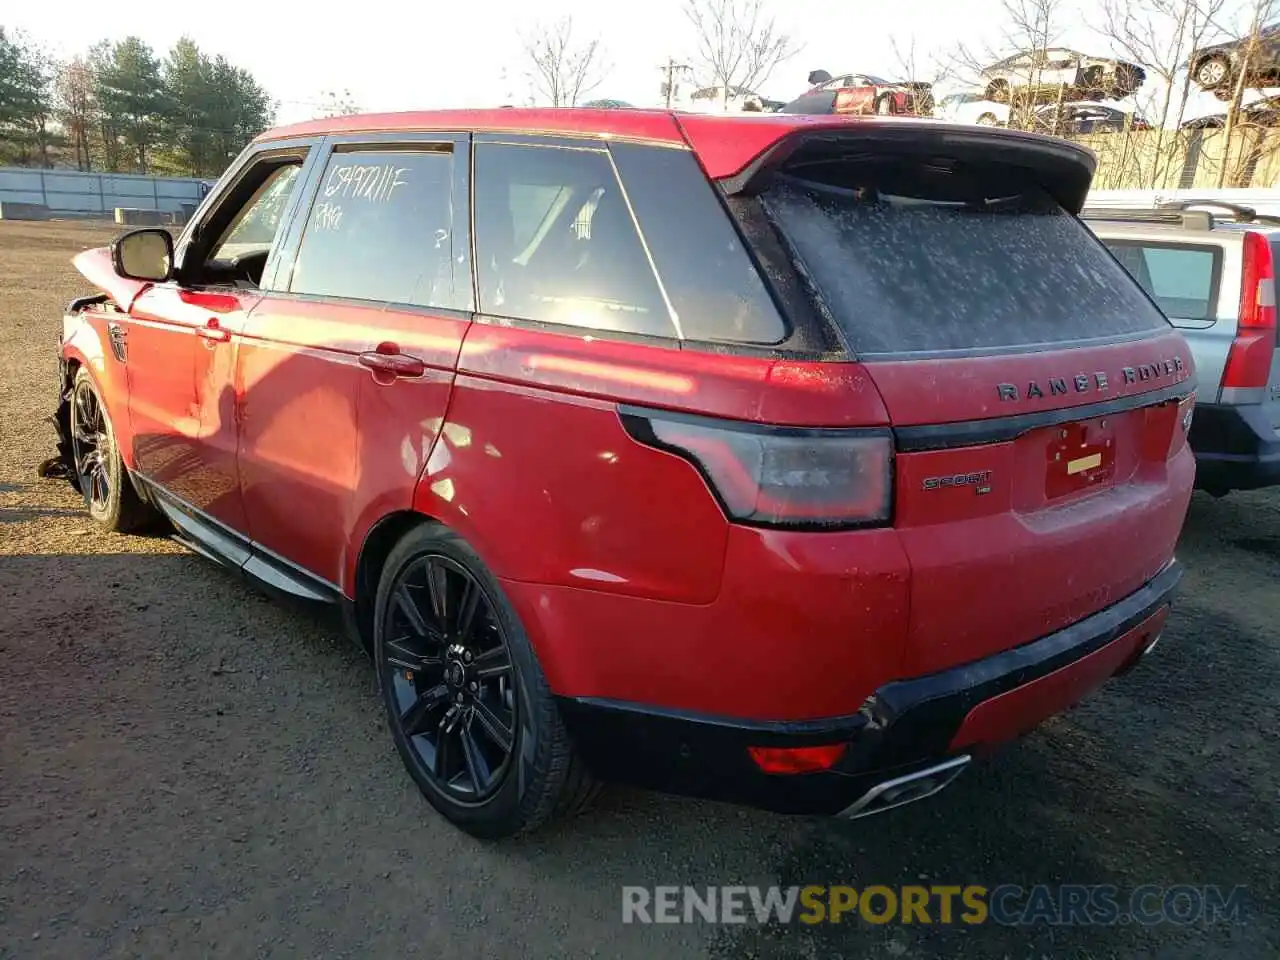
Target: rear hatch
1036,394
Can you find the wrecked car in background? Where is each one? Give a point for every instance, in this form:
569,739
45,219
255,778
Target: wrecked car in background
863,93
1045,73
1217,68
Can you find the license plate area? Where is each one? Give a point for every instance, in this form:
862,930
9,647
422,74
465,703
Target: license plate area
1080,456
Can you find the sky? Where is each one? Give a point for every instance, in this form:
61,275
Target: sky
399,55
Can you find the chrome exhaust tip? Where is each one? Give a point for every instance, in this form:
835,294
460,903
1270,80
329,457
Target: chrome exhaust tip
900,791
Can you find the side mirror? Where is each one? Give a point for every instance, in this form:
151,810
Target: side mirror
819,76
143,255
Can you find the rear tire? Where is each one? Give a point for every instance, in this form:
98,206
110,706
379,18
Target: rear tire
1213,73
99,472
988,120
469,708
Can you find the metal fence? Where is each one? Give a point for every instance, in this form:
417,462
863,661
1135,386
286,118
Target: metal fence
78,193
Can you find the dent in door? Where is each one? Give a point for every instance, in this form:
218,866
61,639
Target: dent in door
297,448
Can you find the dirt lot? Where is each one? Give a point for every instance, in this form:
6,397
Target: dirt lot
188,769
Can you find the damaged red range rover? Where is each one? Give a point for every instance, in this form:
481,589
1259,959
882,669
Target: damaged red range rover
791,461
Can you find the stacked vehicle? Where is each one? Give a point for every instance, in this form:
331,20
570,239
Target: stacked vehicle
863,93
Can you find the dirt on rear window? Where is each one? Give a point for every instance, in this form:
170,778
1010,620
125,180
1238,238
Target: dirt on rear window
937,273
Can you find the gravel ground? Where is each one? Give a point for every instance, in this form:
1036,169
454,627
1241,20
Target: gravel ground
190,769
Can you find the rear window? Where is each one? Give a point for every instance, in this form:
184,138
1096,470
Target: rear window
911,257
1183,280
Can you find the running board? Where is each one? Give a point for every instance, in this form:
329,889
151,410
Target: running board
215,541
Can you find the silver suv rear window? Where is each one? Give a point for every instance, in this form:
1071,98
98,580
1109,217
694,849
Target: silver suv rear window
1183,279
946,264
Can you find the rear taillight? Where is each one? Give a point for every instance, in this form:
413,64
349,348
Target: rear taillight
780,476
784,760
1249,362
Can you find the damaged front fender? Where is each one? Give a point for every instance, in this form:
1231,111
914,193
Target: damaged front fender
80,344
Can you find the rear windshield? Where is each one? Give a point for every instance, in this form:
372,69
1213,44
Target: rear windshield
1182,279
909,258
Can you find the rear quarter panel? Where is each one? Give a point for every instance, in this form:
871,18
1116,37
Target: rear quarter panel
534,467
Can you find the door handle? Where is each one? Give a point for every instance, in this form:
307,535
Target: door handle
213,332
390,362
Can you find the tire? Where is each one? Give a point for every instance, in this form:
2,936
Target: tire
99,473
884,105
1213,73
451,667
988,120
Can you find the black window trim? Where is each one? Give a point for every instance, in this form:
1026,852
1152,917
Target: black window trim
1215,282
459,143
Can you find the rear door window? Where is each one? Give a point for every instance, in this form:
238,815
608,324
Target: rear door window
556,242
1183,280
940,257
711,280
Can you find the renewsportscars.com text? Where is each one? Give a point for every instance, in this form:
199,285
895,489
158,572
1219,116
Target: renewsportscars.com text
1006,904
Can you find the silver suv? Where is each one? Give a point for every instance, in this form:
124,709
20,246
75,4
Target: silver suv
1211,268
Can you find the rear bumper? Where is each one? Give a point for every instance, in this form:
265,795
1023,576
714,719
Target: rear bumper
922,723
1236,448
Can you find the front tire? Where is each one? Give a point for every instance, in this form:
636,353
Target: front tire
469,709
884,105
99,472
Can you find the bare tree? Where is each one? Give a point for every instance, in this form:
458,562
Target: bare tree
338,104
1028,27
1258,13
738,43
76,108
922,70
916,67
563,70
1161,35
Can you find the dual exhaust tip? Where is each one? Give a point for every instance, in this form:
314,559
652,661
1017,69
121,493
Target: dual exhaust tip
906,789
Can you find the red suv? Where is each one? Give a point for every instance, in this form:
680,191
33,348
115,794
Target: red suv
785,460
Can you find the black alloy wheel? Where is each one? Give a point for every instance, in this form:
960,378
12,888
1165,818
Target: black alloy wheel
92,448
470,710
97,469
449,670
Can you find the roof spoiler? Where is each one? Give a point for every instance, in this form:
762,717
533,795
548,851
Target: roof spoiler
1063,169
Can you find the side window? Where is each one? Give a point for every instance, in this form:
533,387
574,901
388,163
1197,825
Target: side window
244,226
714,287
381,228
255,227
1182,280
556,242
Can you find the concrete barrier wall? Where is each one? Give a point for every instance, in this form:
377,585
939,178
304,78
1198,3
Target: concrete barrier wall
75,192
23,211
